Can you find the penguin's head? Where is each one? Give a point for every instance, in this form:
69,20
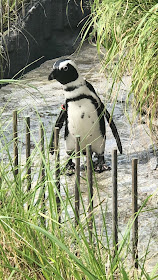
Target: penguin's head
65,72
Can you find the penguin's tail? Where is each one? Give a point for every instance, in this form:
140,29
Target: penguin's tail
114,130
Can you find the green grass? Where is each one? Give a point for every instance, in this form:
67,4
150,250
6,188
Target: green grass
127,33
10,13
34,245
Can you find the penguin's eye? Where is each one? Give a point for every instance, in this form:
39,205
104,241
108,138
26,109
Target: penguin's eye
65,68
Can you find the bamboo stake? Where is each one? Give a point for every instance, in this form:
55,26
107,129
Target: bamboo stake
90,189
114,201
57,169
77,181
134,212
28,153
15,139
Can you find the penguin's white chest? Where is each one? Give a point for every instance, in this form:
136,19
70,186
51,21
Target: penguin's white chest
83,120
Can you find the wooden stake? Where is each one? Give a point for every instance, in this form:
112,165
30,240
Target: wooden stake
90,189
77,181
28,153
134,212
42,151
42,175
114,201
15,139
57,169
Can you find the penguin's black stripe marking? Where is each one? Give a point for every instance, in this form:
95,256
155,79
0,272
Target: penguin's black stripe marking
82,96
97,107
91,88
71,88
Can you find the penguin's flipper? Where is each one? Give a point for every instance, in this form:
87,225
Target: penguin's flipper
114,129
59,123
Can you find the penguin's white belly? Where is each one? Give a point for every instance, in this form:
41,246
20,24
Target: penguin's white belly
83,121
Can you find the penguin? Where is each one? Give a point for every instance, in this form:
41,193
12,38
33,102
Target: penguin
83,114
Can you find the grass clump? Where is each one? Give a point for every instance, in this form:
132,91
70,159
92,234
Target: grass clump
10,11
128,30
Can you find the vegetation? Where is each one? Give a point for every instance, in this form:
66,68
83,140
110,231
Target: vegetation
128,31
34,245
9,13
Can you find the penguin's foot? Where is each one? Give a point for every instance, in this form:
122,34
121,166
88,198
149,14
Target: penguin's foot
100,166
70,168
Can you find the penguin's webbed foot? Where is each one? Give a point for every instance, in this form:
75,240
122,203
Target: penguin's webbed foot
100,166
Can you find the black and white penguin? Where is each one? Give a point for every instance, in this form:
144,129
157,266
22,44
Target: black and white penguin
83,113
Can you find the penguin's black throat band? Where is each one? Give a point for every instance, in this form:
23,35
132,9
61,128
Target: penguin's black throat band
71,88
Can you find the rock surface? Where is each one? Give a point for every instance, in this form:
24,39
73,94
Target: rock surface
50,29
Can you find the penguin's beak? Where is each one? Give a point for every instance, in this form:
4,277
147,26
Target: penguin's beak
51,76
